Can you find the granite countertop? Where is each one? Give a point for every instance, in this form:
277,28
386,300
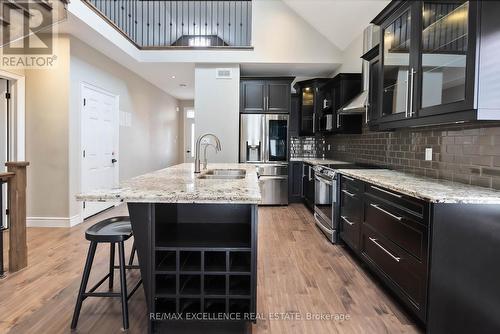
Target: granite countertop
432,190
320,161
179,184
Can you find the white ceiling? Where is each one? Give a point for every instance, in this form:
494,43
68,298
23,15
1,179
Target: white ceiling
340,21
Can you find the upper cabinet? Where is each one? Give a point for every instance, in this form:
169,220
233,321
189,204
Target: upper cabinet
321,98
438,63
310,105
261,95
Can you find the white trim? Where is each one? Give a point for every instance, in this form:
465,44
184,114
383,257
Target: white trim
18,110
54,221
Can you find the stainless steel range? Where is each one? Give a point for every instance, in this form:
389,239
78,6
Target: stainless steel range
327,196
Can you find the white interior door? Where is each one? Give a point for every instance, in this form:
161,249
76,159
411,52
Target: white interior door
100,126
4,140
189,139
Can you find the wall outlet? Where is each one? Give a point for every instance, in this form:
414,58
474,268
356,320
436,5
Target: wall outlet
428,154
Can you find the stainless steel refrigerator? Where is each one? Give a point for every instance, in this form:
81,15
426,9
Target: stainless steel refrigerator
264,142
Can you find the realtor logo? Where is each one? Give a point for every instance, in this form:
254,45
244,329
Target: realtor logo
27,32
26,27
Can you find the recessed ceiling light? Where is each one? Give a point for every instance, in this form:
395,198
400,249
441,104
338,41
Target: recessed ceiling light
173,76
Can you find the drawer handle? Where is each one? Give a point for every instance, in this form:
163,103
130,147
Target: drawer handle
347,220
387,192
386,212
348,178
348,193
395,258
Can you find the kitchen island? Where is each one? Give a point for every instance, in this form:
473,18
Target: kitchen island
196,239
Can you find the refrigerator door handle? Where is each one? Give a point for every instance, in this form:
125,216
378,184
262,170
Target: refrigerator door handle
265,125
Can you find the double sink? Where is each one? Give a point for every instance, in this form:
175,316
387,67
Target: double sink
224,174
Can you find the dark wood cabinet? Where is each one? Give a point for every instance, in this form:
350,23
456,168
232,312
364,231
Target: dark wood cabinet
308,185
351,211
294,120
295,171
438,63
262,95
310,104
374,92
390,232
344,87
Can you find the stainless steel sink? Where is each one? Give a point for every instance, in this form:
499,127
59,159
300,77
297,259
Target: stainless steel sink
228,174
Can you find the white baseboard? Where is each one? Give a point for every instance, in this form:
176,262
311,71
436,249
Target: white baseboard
53,221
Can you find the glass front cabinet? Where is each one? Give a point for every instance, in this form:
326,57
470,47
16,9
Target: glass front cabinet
438,63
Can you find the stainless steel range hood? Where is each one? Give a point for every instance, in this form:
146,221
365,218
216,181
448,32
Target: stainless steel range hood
357,105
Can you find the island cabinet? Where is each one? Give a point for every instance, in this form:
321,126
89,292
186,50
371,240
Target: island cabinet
198,262
438,63
390,233
265,95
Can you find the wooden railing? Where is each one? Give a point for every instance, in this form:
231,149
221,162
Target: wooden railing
15,180
167,24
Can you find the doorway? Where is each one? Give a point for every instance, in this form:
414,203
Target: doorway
189,139
100,142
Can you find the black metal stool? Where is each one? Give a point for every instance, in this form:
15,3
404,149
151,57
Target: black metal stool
112,230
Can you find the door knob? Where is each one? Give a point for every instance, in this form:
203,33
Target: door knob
113,160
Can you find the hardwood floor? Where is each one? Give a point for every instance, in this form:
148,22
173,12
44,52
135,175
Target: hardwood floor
299,272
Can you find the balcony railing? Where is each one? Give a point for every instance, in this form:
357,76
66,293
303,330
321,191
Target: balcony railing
154,24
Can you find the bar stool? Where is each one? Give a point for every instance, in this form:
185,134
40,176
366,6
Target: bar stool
112,230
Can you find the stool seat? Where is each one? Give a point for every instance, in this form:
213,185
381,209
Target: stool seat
115,229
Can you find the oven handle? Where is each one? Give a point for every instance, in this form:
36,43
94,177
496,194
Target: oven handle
320,224
322,179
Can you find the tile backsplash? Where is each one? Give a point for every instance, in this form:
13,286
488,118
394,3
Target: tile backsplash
307,147
462,153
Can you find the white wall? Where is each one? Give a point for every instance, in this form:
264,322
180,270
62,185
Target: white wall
150,143
351,57
216,106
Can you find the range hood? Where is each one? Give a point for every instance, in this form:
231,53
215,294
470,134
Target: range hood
371,38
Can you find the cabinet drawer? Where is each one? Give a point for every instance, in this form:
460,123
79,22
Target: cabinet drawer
404,274
397,226
351,217
410,204
353,184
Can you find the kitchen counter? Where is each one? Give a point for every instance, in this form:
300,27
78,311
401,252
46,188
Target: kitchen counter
320,161
432,190
179,184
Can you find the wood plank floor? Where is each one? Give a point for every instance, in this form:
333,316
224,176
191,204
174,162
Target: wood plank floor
299,273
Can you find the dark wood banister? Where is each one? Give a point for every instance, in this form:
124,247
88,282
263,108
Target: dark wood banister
15,177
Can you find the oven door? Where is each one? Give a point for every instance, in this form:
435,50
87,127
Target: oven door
323,204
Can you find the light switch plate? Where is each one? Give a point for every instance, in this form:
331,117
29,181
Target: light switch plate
428,154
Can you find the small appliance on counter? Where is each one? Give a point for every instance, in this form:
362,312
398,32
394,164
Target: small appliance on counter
264,142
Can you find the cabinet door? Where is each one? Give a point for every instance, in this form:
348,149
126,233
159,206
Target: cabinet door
307,111
372,115
295,182
278,96
396,48
294,116
252,97
446,57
